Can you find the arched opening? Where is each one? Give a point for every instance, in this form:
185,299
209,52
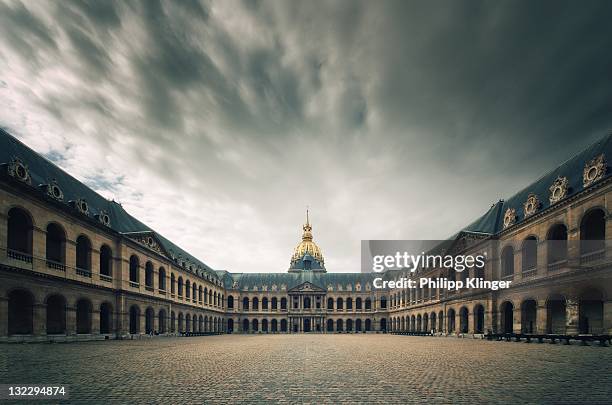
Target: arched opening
255,325
181,322
264,325
339,304
591,312
358,304
339,325
283,325
245,304
161,279
179,285
349,325
507,261
149,320
441,321
187,289
245,325
106,317
20,313
556,315
529,254
149,275
425,323
161,320
255,304
83,316
135,269
349,304
419,323
464,320
106,261
19,235
283,304
230,302
383,324
188,323
330,325
56,246
368,304
432,321
556,245
507,317
264,304
402,324
56,315
274,326
172,284
135,319
172,322
230,325
451,321
83,254
368,325
194,292
274,303
200,294
593,235
479,319
413,323
529,311
358,325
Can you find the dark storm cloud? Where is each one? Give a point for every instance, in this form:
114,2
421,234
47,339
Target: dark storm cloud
393,119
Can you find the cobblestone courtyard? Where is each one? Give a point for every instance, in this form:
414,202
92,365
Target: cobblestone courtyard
314,368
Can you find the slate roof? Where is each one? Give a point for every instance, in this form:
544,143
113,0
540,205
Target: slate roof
42,171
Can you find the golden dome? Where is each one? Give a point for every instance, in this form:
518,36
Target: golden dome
307,245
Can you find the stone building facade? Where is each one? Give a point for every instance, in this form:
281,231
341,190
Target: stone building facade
75,266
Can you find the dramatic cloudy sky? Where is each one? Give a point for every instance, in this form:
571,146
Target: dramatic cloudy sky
217,122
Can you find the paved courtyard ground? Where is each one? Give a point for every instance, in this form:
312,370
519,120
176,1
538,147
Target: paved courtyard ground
315,369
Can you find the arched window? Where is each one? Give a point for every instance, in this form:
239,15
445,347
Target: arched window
161,279
274,303
161,319
349,303
194,292
205,296
19,235
134,269
368,304
593,234
180,286
56,246
306,302
383,302
339,303
255,304
172,284
187,289
230,302
330,303
358,304
507,262
245,304
106,261
200,292
264,303
149,275
529,254
556,245
83,255
283,304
